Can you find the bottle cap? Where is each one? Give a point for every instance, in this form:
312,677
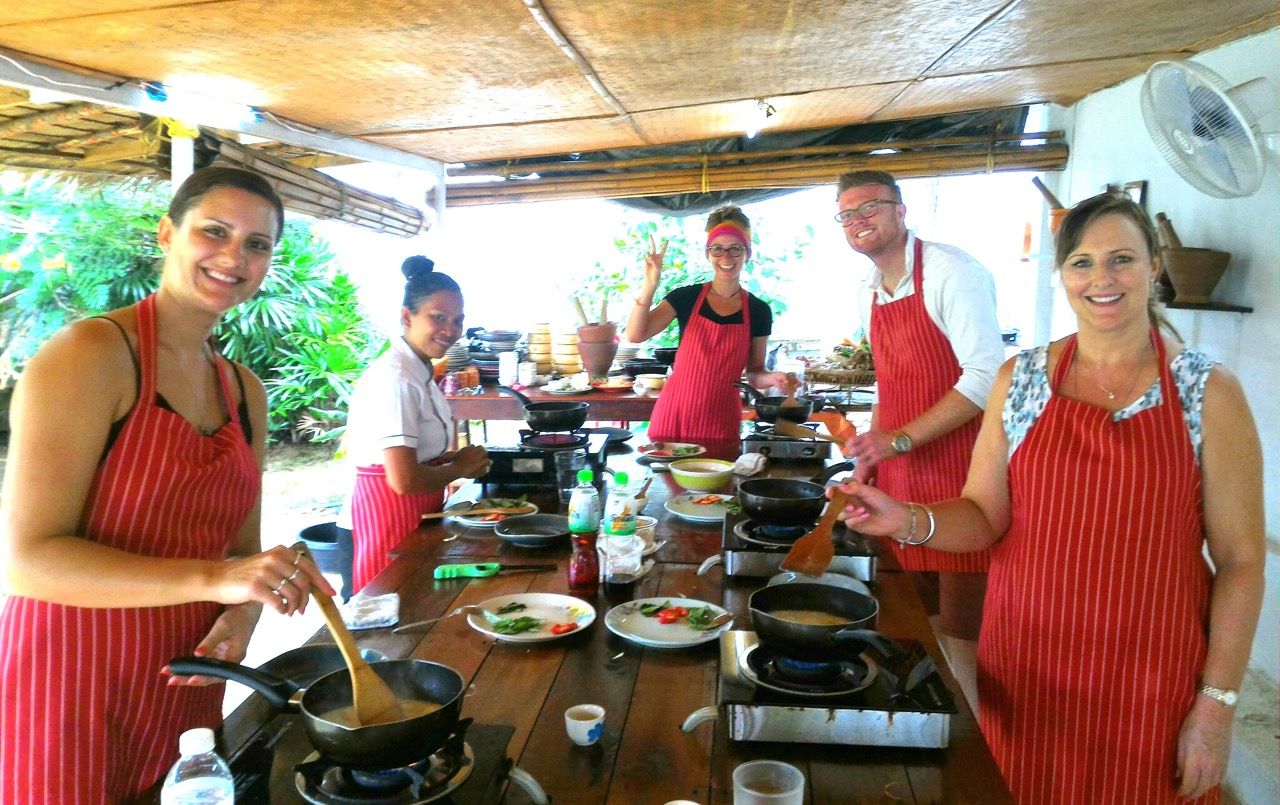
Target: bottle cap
585,475
620,478
198,741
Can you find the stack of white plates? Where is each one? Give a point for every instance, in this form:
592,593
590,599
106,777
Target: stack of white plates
626,351
458,357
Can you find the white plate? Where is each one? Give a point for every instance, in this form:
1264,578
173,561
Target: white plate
582,390
654,548
648,450
477,522
683,506
549,607
626,621
832,579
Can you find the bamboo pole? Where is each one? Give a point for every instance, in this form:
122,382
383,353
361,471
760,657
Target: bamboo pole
780,175
734,156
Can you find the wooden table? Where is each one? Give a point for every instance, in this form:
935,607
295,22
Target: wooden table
643,756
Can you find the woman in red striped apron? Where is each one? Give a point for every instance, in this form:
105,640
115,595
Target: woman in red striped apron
723,330
131,516
1107,462
399,429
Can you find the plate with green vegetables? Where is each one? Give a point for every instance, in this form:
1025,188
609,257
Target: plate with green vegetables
532,617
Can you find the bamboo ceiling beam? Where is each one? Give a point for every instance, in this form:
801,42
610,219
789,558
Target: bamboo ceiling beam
98,137
787,174
736,156
43,120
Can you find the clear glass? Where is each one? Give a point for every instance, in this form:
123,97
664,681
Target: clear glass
768,782
623,558
568,462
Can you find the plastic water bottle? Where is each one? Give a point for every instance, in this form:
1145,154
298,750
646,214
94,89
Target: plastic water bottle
584,505
199,777
619,509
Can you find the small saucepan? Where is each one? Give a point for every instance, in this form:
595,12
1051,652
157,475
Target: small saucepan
378,746
550,416
770,408
849,631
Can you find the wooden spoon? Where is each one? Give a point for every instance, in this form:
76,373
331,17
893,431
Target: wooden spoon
373,700
470,512
812,553
797,431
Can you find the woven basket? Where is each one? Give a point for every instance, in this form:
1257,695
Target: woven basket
841,377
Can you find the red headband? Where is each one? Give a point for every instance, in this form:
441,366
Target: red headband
733,230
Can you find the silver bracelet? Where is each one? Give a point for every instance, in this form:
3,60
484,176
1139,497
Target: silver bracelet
933,526
911,532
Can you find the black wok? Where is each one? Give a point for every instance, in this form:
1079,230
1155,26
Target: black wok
550,416
378,746
782,501
817,643
770,408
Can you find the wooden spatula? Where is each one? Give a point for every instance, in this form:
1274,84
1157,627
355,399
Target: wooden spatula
812,553
797,431
374,701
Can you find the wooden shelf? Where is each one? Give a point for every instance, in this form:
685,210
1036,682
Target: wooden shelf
1221,307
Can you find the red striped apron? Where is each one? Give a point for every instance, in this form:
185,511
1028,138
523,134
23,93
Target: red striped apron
380,520
915,367
700,403
1097,604
87,716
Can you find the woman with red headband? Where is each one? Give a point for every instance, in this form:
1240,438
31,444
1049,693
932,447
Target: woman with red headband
723,330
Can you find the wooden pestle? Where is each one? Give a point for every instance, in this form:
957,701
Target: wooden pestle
1164,227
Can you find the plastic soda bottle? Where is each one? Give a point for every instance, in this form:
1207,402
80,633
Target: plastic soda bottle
619,509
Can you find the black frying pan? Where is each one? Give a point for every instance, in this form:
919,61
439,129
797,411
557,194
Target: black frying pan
770,408
782,501
550,416
812,642
378,746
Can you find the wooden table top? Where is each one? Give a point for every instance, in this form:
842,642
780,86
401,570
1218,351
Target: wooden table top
643,756
605,406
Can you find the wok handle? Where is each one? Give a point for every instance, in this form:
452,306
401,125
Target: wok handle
877,641
833,471
276,690
753,394
508,390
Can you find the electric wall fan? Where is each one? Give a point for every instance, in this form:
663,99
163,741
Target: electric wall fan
1208,130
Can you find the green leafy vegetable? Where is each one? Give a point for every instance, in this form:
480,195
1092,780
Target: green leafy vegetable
517,625
688,450
514,606
501,503
700,618
732,506
650,610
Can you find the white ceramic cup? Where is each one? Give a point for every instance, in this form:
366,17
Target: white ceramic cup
507,368
584,723
767,782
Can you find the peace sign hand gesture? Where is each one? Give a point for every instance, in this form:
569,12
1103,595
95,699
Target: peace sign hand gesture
653,266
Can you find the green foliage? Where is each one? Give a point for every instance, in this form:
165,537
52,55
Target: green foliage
685,264
72,252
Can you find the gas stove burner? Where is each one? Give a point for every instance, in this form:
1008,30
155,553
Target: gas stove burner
553,441
322,781
775,672
770,536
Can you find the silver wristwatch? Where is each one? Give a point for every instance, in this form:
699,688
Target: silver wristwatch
1224,697
901,443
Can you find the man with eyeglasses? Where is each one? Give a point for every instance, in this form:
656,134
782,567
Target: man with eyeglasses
930,312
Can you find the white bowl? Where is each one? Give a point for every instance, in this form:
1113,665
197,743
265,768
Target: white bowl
646,527
654,382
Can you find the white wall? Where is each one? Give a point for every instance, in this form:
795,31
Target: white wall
1109,144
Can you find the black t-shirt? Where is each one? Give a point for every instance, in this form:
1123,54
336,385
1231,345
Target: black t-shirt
683,299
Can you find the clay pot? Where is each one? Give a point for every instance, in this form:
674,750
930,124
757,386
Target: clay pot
597,356
599,333
1194,272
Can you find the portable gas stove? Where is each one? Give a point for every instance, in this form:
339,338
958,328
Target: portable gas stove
275,767
758,437
899,701
753,550
532,464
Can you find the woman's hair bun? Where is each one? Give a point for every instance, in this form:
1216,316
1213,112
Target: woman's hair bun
416,267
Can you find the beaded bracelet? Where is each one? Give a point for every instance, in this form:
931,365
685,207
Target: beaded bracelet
911,532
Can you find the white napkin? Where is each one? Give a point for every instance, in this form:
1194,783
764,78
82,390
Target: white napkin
371,612
749,464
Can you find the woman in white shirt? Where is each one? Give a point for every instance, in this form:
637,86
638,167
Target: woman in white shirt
400,429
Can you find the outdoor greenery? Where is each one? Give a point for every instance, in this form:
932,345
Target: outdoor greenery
69,250
620,279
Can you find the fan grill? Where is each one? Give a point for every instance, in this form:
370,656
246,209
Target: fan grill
1203,134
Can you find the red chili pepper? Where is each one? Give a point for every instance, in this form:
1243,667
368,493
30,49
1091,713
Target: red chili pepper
564,628
672,614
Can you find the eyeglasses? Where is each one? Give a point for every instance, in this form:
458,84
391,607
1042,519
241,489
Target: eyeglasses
720,251
867,209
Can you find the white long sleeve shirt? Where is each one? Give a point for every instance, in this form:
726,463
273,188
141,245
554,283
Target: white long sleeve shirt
960,298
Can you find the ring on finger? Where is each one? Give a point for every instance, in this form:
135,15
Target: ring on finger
276,590
297,557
